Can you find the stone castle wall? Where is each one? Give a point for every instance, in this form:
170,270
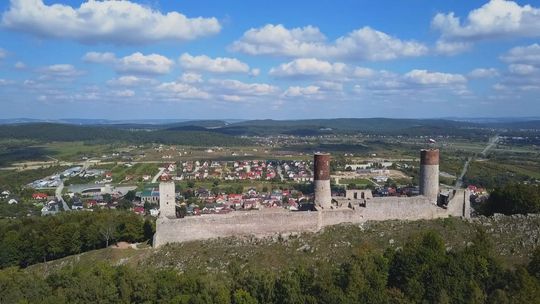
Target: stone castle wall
268,222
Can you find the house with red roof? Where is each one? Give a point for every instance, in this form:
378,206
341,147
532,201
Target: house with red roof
40,196
139,210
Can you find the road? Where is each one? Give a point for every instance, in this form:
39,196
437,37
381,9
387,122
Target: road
161,170
459,181
59,197
492,142
280,172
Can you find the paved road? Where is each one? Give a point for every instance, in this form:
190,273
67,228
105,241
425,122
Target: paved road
60,198
492,142
161,170
459,181
280,172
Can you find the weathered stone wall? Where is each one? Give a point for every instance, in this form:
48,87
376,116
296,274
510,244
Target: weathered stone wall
323,193
167,200
268,222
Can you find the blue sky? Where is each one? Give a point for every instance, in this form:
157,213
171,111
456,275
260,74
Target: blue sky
269,59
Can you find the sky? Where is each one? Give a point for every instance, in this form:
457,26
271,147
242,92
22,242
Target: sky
201,59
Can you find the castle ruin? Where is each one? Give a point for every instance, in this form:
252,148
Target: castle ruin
356,207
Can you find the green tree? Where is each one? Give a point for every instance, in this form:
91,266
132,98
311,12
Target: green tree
241,296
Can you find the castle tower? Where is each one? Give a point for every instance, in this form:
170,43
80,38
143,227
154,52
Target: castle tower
167,202
429,174
321,180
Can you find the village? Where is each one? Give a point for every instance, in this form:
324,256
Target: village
211,186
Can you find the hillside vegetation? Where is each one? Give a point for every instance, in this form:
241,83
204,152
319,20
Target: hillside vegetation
380,262
48,132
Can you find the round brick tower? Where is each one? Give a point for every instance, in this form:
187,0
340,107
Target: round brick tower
429,174
321,180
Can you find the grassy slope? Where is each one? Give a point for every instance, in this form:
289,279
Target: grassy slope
513,240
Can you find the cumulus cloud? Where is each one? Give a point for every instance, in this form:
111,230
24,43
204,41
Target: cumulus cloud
130,81
495,19
124,93
64,71
451,48
523,69
296,91
181,90
236,87
412,84
204,63
425,77
96,57
3,53
136,63
309,67
191,78
523,55
484,73
117,22
144,64
361,44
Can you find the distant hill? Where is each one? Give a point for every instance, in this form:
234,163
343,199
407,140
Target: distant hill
64,132
226,132
314,127
517,125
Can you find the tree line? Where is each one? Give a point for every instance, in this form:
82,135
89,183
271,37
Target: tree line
48,132
29,240
423,271
512,199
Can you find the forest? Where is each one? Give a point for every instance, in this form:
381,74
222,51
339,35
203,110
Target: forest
512,199
423,271
30,240
47,132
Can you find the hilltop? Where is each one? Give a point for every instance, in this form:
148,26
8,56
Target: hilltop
513,239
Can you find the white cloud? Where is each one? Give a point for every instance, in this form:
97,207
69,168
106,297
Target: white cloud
130,81
191,78
451,48
236,87
117,22
523,69
144,64
125,93
19,65
495,19
96,57
425,77
254,72
484,73
136,63
414,84
233,98
363,72
60,71
361,44
310,67
296,91
3,53
215,65
330,86
181,90
523,55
